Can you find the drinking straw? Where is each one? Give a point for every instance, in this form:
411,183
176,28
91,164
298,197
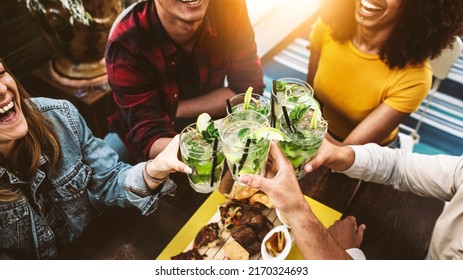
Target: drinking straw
245,155
229,106
214,160
272,104
288,121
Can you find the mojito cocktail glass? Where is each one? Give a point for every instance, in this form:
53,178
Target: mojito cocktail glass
304,135
257,103
245,153
289,92
204,157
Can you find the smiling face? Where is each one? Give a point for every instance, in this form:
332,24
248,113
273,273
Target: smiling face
377,14
13,125
181,18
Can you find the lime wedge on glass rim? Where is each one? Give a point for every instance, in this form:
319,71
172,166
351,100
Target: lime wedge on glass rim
314,121
202,122
269,133
247,98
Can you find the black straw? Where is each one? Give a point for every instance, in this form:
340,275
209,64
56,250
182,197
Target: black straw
288,121
245,155
214,161
272,104
229,106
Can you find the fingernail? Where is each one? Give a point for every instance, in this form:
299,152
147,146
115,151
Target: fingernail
308,168
245,179
188,170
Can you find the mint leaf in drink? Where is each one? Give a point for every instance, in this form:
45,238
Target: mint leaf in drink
244,133
298,112
194,147
281,86
210,133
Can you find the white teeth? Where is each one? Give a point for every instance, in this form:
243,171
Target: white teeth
6,108
369,5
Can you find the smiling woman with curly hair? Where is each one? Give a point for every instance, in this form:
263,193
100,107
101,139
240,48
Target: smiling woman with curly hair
369,62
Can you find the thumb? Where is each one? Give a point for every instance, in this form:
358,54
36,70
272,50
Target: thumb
253,181
315,163
182,167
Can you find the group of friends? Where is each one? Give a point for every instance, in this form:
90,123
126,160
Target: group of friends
169,61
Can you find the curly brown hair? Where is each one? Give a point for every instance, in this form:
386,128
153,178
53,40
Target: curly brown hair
423,30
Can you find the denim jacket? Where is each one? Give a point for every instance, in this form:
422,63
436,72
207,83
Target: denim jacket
56,209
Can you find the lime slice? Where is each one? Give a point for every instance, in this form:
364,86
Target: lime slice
202,122
269,133
247,98
314,121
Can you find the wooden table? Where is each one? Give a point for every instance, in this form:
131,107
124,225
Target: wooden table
399,225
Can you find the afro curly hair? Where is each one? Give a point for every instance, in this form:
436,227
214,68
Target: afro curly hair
424,28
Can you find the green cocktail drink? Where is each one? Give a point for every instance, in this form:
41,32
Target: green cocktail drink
256,103
244,146
304,134
290,92
202,151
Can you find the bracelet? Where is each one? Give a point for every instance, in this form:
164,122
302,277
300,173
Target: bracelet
153,179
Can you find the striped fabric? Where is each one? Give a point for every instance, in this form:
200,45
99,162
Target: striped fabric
442,129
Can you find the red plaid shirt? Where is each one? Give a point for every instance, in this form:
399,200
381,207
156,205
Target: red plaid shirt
143,68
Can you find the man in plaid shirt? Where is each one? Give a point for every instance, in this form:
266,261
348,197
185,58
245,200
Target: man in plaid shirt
167,61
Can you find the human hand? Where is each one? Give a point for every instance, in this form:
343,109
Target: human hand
347,233
332,156
280,182
167,161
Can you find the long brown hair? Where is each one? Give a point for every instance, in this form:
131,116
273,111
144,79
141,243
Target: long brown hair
423,29
40,139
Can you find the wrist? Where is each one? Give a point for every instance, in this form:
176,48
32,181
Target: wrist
154,179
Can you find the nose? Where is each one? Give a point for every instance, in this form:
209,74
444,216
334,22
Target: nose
2,88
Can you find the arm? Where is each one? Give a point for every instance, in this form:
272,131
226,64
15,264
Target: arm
113,182
438,176
376,126
212,103
312,238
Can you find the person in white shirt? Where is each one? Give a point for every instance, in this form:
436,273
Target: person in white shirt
439,176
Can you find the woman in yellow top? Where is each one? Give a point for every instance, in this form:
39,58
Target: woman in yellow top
369,62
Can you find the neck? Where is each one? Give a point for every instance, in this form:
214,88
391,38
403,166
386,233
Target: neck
6,148
369,41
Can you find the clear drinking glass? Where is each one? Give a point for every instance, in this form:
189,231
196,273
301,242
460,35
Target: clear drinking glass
244,153
257,103
205,158
304,134
290,92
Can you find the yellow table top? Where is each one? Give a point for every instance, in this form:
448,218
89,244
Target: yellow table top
209,208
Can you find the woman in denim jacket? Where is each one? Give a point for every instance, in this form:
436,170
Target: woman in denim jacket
53,172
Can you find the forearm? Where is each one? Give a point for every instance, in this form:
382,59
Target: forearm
425,175
376,126
312,238
213,103
158,146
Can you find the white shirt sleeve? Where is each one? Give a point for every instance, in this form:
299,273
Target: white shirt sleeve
356,253
437,176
